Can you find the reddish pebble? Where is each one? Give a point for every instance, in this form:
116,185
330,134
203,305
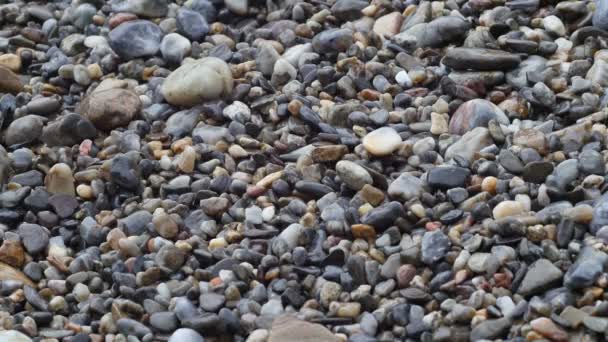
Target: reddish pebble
430,226
85,147
217,281
405,274
461,276
120,18
255,191
550,330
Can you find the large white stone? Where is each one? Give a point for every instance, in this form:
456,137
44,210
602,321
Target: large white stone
13,336
382,141
195,82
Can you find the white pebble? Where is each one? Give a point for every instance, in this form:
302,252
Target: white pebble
403,79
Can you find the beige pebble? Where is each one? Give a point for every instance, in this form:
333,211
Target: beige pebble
11,61
508,208
60,180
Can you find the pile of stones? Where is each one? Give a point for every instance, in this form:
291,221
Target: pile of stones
284,170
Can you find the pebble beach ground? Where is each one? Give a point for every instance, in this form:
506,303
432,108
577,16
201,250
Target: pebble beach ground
321,170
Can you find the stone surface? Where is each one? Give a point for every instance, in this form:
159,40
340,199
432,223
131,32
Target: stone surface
382,141
133,39
475,113
289,328
192,83
111,108
480,59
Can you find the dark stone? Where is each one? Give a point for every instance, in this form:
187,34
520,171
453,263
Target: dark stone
448,177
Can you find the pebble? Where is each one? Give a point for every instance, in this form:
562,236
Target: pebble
112,108
382,142
175,47
353,175
185,335
134,39
475,113
205,79
480,59
344,171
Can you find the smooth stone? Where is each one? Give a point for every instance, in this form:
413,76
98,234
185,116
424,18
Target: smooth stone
8,272
353,175
471,142
182,123
547,328
388,25
288,328
9,81
483,263
600,15
212,302
480,59
555,25
438,33
447,177
60,180
111,108
175,47
144,8
589,265
435,245
332,40
406,187
134,39
510,162
13,336
186,335
348,10
130,326
198,81
382,141
383,216
239,7
537,172
518,77
24,130
475,113
44,105
283,72
598,71
541,275
191,24
490,329
170,257
266,58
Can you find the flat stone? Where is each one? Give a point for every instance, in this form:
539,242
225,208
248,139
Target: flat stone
490,329
589,265
288,328
541,276
448,177
480,59
471,142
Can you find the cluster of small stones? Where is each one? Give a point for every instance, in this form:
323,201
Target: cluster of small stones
340,170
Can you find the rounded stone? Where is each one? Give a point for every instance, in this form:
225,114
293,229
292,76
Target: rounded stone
475,113
186,335
353,175
508,208
202,80
382,141
134,39
112,108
